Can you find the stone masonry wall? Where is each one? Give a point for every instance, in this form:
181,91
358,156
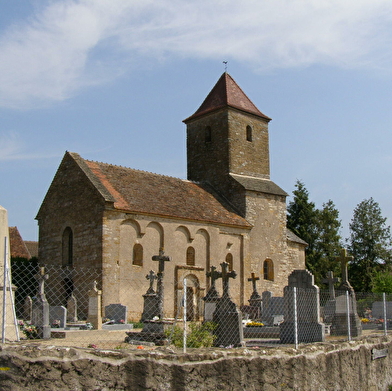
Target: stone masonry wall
322,367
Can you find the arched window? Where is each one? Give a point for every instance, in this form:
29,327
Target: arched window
248,133
137,255
229,260
268,270
67,247
208,134
190,256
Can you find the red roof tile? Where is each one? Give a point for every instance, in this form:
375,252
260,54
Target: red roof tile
226,92
153,194
17,245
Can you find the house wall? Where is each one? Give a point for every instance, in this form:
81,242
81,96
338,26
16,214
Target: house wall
120,276
71,202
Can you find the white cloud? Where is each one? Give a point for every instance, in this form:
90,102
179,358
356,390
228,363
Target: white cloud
71,44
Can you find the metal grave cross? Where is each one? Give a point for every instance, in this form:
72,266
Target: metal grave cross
213,274
161,258
330,280
41,277
254,279
344,259
225,275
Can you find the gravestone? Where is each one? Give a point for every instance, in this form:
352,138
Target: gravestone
40,314
150,300
7,292
330,305
309,327
229,331
72,309
378,309
344,315
212,296
154,325
272,314
255,301
117,312
94,307
28,309
57,316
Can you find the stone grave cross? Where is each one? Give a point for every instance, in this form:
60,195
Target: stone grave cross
344,259
253,278
41,277
161,258
40,310
151,276
225,275
330,280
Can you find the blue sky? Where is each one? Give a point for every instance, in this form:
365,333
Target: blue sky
113,79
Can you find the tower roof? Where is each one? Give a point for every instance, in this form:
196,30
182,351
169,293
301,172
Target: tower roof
227,93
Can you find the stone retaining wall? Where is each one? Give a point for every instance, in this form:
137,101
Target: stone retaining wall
345,366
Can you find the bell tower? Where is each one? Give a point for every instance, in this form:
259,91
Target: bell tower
228,141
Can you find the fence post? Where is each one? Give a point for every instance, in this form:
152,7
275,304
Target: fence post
4,290
184,313
385,313
295,318
348,316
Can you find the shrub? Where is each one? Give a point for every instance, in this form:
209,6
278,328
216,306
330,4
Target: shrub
198,335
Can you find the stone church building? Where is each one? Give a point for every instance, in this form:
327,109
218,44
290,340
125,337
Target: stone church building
113,219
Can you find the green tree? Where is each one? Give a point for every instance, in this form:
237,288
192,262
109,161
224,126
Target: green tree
369,243
319,228
328,241
382,282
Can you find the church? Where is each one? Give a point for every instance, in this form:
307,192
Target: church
113,220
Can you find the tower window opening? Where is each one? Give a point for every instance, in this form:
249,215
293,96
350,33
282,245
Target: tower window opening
207,134
248,133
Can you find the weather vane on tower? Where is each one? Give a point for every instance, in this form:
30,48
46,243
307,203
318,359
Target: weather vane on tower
225,62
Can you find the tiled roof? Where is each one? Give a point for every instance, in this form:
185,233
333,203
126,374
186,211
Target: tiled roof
259,184
17,245
32,247
226,92
292,237
144,192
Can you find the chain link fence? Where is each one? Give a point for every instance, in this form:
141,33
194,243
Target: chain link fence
61,306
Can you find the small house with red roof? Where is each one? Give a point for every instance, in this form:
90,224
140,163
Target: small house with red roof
112,220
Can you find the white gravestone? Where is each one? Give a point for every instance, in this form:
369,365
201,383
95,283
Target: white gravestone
7,310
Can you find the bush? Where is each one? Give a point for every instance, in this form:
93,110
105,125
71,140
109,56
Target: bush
198,335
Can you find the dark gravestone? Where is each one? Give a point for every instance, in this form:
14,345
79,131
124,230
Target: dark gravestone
309,327
346,304
40,313
72,309
57,316
330,305
378,309
117,312
150,300
212,296
255,301
228,319
272,314
28,309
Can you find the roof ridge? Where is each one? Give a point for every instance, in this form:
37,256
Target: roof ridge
134,169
